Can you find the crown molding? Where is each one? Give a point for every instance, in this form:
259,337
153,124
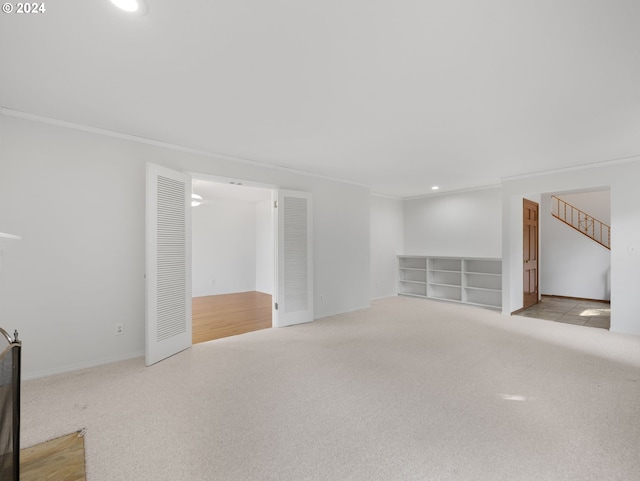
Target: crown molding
591,165
386,196
166,145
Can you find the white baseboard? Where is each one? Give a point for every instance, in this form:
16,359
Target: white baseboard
77,367
343,312
383,297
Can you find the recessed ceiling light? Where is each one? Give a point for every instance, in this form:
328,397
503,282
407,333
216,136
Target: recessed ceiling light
435,187
132,6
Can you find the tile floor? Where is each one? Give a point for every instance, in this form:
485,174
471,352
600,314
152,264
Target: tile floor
571,311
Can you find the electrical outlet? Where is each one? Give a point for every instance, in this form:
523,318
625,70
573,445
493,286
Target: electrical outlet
119,329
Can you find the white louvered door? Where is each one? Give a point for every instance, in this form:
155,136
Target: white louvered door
168,263
294,293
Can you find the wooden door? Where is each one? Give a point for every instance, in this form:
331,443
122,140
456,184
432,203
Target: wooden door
168,263
530,252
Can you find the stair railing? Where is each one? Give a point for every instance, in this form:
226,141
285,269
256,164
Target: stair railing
581,221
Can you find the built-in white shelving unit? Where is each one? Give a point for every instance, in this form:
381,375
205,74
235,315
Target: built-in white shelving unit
476,281
413,276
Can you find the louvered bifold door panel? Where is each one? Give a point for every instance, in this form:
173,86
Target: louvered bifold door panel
295,259
168,326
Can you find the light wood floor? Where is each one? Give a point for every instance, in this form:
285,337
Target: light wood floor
229,314
60,459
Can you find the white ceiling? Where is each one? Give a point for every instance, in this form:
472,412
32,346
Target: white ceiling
396,95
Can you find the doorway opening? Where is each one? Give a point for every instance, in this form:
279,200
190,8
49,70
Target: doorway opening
574,270
168,258
232,258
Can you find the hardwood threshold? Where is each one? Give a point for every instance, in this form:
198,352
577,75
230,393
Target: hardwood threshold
218,316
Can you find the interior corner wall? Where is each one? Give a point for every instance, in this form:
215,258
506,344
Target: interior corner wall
223,235
78,200
387,240
620,179
571,264
460,224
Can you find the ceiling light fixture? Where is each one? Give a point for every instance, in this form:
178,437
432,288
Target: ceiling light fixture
132,6
435,187
196,200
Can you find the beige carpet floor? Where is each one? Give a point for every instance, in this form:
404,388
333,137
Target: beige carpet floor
410,389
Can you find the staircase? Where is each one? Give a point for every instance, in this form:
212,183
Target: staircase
581,221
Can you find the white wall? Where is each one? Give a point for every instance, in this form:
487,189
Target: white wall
78,200
223,247
264,274
621,179
571,264
387,240
341,253
462,224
